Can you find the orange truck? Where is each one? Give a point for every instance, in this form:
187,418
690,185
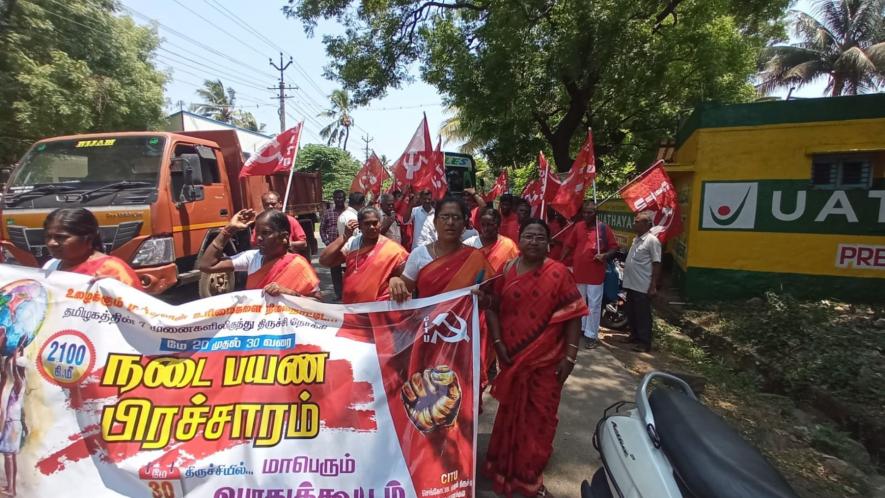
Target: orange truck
160,199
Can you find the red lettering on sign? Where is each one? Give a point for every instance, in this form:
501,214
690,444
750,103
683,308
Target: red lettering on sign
860,256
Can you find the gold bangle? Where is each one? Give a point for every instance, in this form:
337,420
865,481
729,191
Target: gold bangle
571,360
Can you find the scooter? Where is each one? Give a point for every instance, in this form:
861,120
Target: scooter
668,445
614,299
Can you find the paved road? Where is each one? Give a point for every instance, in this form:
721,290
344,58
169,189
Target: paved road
598,381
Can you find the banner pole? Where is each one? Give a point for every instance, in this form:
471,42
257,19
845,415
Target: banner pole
292,167
597,214
632,181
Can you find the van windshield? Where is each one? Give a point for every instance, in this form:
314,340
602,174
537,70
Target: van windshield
91,162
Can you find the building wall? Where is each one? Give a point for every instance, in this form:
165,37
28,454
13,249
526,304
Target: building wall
747,230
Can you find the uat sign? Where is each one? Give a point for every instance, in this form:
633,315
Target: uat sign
113,393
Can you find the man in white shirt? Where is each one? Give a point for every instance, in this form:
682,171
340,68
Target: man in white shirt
418,217
641,273
355,202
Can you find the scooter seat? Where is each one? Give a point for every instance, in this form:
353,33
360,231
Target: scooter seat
710,459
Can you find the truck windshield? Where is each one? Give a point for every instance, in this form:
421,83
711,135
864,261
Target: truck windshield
91,162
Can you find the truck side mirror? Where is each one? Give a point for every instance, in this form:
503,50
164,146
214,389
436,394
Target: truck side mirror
188,165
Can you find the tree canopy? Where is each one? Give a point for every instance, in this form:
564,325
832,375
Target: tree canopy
220,104
841,40
337,166
535,74
72,67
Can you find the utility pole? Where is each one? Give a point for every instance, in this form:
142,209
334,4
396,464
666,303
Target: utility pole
367,140
282,89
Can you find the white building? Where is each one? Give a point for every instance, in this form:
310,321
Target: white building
250,141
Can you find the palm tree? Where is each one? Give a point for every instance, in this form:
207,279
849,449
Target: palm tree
843,40
339,129
452,130
218,103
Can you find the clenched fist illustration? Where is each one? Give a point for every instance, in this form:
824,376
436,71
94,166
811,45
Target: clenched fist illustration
432,398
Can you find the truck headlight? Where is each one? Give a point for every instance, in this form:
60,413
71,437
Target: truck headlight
156,251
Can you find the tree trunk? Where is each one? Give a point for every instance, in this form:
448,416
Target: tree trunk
346,136
560,140
838,86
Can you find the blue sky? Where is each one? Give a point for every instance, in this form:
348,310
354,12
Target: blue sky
240,60
390,121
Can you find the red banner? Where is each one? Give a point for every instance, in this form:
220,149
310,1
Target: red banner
550,183
498,188
276,156
438,185
369,178
533,194
570,196
653,191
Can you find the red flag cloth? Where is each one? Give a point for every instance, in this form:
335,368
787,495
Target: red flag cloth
653,191
416,167
551,185
570,196
369,178
533,194
438,184
498,188
276,156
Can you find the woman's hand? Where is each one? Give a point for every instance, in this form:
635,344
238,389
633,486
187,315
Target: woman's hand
274,289
349,228
483,298
564,369
501,352
399,291
242,219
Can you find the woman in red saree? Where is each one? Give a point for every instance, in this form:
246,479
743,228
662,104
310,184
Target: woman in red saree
495,247
445,264
74,242
371,259
537,347
271,267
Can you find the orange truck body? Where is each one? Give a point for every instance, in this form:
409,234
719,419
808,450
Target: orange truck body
186,226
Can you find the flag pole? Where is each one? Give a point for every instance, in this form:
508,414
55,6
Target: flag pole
292,168
631,182
543,190
597,214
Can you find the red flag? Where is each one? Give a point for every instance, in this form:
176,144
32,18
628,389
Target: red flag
498,188
549,181
653,191
570,196
438,185
416,167
533,193
276,156
369,177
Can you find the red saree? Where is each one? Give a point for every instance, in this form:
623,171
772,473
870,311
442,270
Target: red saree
369,269
291,271
109,267
500,252
528,390
455,271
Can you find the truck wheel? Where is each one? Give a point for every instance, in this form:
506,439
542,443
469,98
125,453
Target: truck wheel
213,284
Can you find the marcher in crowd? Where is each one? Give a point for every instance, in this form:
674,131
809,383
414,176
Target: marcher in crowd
537,347
428,233
641,273
475,203
445,264
523,212
418,216
593,244
560,229
509,223
390,222
371,259
271,267
329,232
355,202
270,200
74,242
495,247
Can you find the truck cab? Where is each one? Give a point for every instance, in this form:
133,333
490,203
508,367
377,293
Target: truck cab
159,197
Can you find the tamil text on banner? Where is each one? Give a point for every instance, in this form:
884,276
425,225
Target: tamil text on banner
653,191
113,393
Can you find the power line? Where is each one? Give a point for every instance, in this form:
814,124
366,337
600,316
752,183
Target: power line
203,56
226,33
211,69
